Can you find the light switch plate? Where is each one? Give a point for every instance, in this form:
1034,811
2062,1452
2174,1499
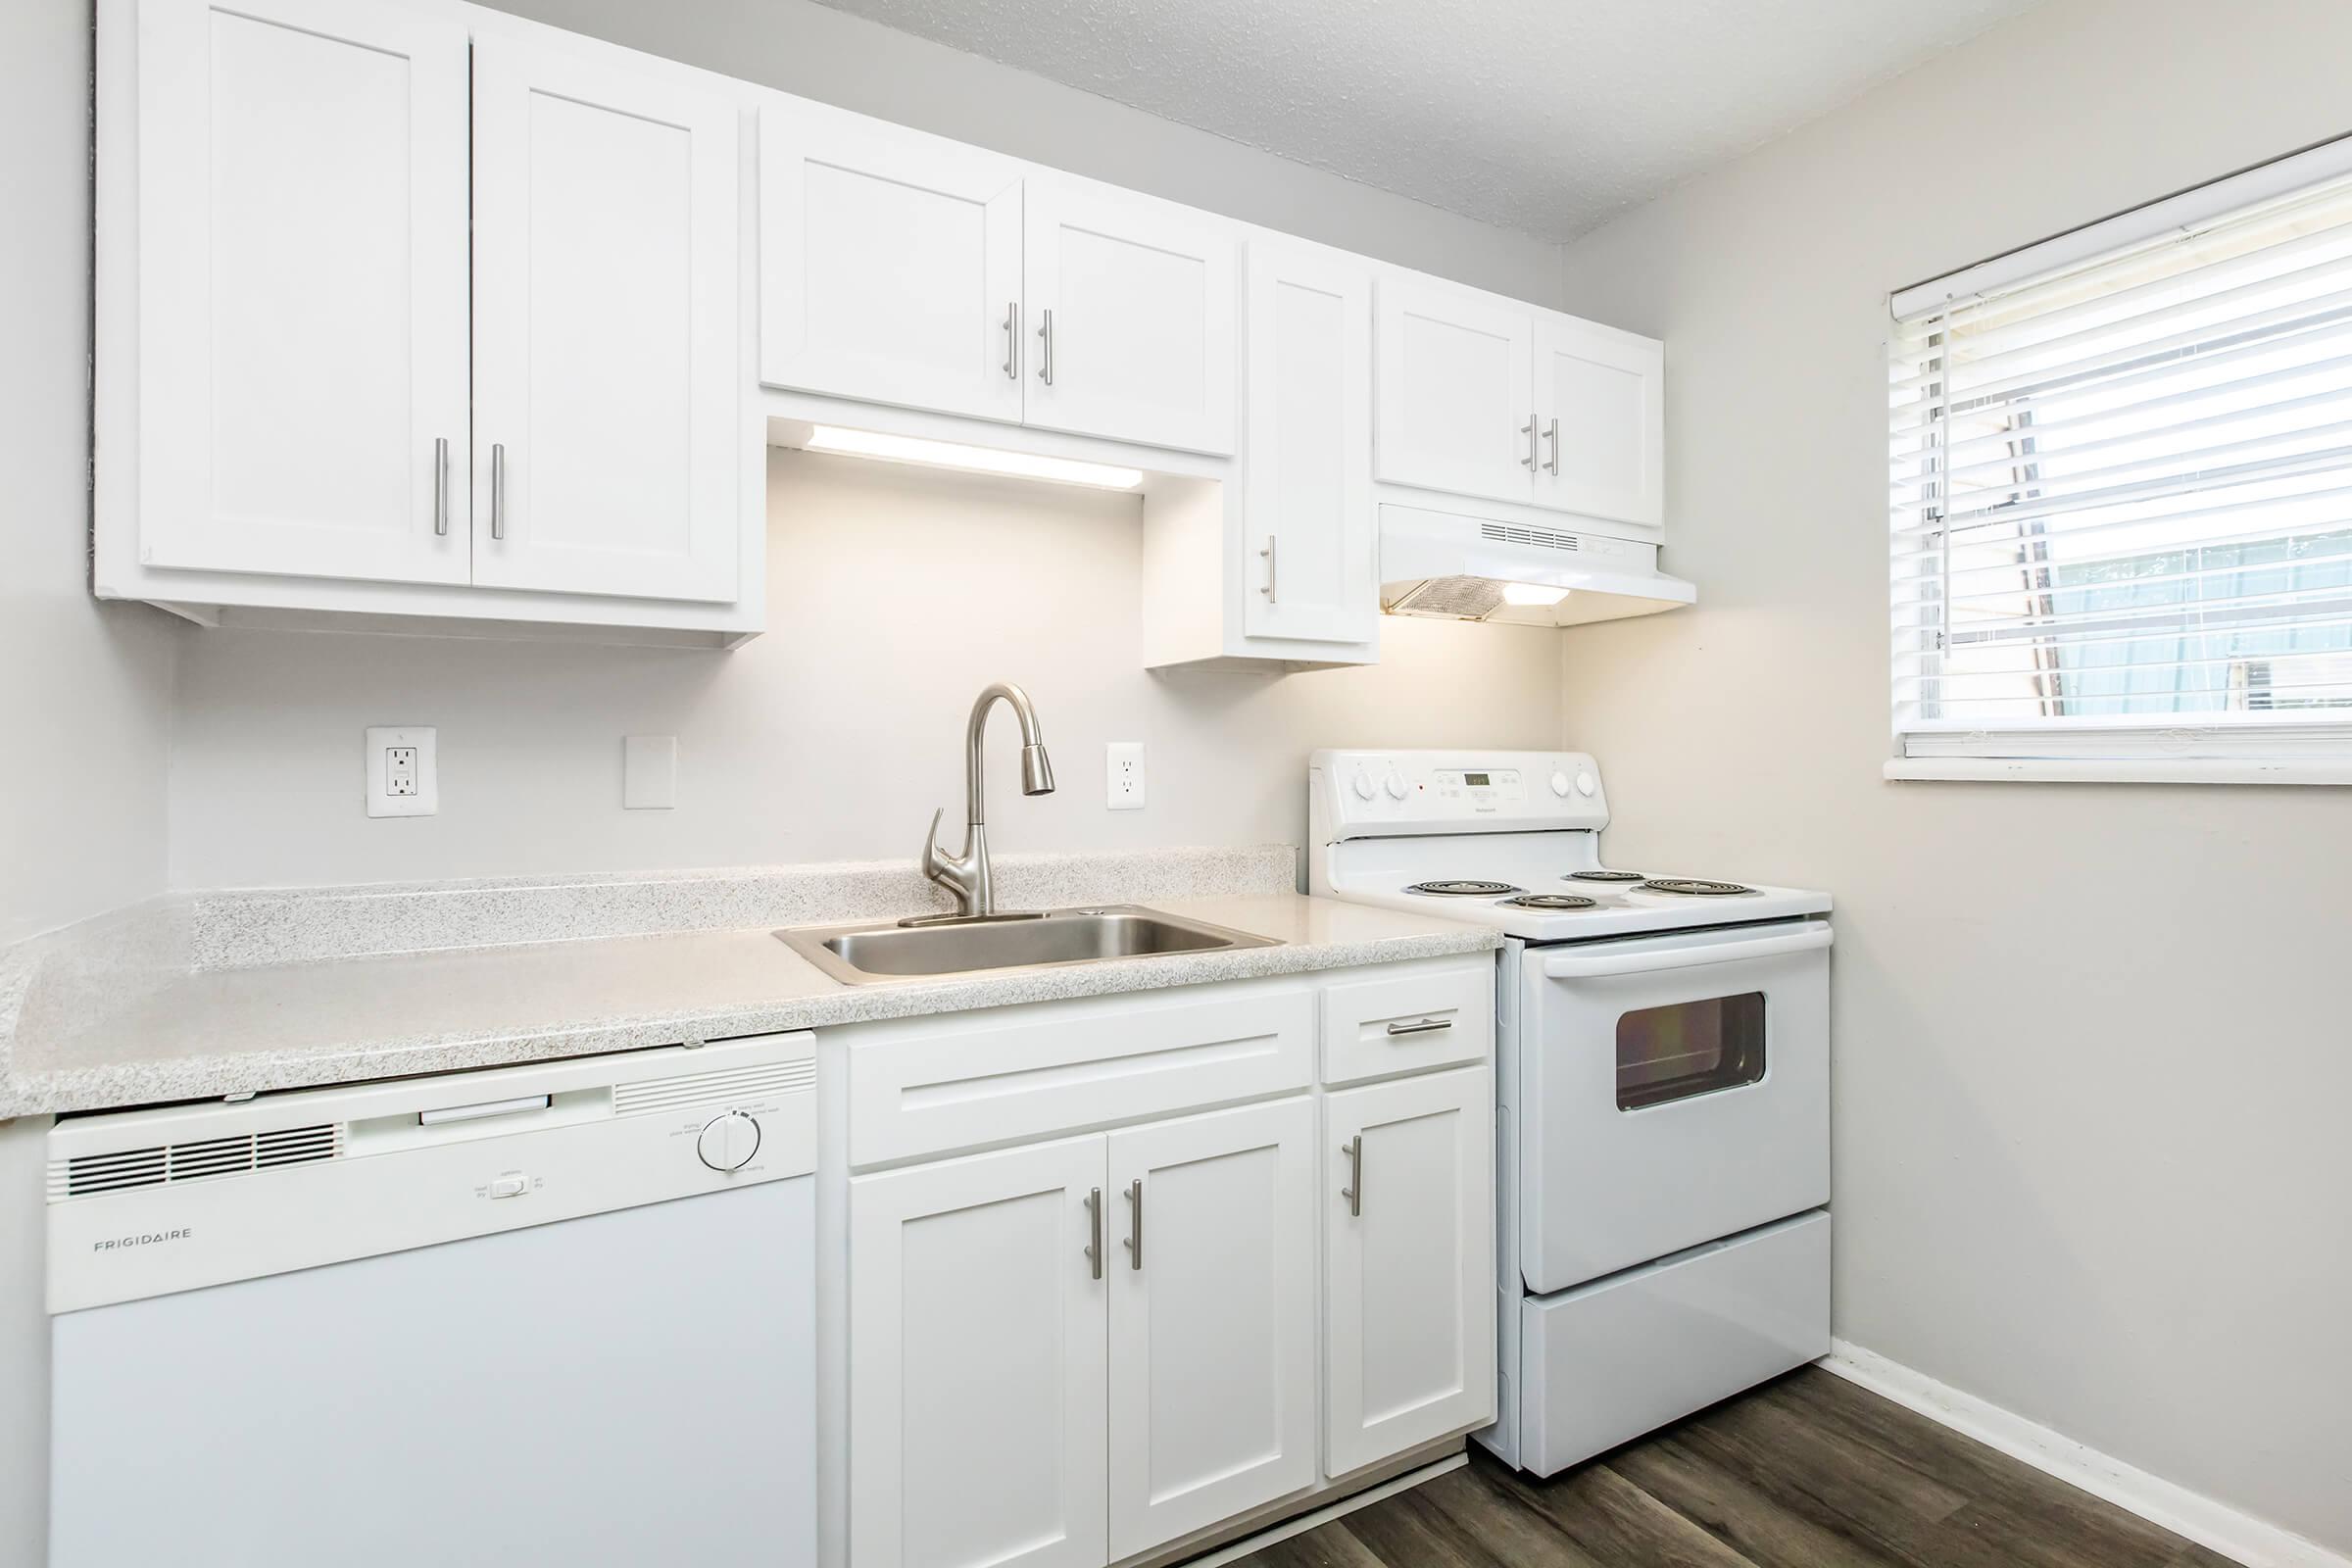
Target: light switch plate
403,763
1124,775
649,772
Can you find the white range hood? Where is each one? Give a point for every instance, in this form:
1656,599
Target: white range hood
1457,567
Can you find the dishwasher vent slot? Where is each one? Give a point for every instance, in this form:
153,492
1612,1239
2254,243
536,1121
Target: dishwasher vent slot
1541,538
85,1175
702,1088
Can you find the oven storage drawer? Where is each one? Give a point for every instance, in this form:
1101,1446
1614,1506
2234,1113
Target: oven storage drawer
1607,1362
1408,1017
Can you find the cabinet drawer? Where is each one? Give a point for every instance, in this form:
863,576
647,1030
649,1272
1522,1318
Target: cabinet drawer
938,1086
1409,1018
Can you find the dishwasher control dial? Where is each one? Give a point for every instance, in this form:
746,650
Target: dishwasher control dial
728,1142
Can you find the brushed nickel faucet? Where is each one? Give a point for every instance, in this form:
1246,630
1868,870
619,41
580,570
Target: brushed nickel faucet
966,875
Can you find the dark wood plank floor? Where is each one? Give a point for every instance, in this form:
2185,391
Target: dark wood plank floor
1806,1472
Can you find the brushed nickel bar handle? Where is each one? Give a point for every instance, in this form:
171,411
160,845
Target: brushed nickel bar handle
1013,340
1093,1217
1044,332
1426,1026
1353,1192
498,490
1553,436
1268,589
1135,1225
441,485
1528,430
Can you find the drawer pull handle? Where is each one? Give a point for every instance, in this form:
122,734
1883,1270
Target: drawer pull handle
1094,1228
1353,1192
1135,1225
1427,1026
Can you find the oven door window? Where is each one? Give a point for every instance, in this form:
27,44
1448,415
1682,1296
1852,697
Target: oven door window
1689,1048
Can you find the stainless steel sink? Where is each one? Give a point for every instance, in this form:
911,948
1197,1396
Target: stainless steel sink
938,946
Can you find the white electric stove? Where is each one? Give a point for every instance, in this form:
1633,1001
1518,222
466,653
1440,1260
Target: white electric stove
1662,1085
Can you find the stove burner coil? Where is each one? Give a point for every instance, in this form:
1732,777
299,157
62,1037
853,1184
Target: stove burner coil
1462,889
1551,901
1696,886
1603,876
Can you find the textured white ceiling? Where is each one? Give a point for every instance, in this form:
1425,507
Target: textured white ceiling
1541,116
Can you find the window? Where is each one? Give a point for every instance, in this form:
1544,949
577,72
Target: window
1690,1047
2122,495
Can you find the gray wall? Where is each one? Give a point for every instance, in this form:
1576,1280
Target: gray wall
833,736
2091,1071
84,691
800,47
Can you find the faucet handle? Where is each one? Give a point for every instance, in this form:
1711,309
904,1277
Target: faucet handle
931,860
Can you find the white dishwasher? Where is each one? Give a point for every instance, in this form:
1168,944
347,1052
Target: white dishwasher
554,1315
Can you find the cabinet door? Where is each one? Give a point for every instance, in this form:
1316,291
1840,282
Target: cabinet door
1312,537
1212,1319
1411,1264
302,289
608,422
1600,399
977,1342
890,263
1455,406
1131,316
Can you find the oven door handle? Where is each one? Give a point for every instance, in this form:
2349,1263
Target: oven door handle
1581,967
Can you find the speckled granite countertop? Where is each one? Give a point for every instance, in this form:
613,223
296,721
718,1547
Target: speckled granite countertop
130,1014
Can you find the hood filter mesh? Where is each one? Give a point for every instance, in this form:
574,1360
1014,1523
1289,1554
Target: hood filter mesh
1450,598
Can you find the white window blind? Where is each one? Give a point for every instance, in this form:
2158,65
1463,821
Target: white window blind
2122,487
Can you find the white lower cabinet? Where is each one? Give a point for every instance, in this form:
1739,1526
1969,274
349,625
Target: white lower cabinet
1153,1321
1409,1238
976,1362
1212,1319
1072,1352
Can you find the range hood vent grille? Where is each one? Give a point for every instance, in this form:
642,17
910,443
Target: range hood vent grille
1540,538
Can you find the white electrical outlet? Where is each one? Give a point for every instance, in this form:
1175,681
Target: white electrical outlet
1123,775
403,772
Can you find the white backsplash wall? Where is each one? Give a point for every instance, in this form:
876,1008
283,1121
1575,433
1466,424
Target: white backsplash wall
895,594
2089,1057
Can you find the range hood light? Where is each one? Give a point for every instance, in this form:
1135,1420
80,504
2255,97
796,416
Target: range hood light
1536,595
970,460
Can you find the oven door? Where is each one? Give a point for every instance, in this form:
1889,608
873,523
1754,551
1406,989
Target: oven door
1672,1090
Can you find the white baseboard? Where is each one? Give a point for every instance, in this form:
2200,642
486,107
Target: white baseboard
2256,1542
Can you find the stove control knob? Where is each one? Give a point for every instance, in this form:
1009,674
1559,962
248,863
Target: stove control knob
728,1142
1559,783
1586,784
1364,787
1396,785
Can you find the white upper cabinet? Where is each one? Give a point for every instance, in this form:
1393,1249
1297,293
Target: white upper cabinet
1309,529
1409,1264
606,347
890,263
300,376
1456,406
1601,401
1130,303
976,1362
1485,397
1212,1319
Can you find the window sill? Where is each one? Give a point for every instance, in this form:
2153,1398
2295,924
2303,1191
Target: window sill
2116,771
